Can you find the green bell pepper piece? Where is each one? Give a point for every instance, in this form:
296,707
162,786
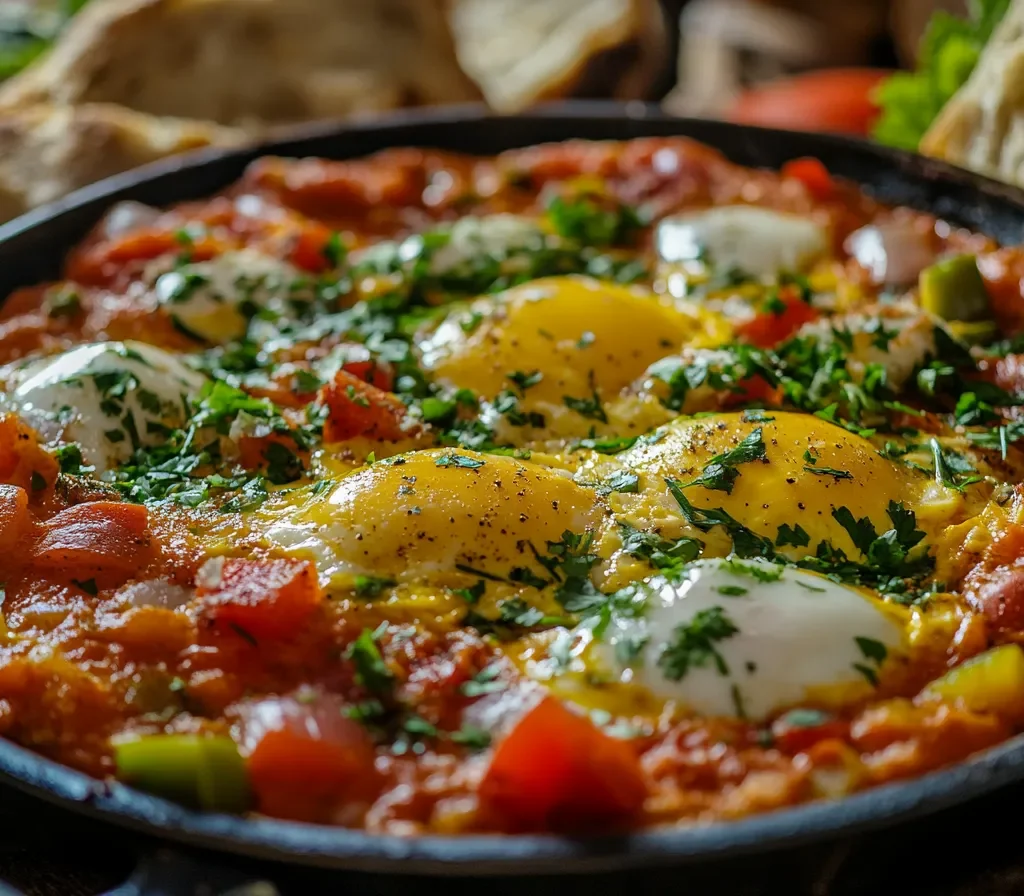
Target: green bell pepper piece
953,289
203,772
974,332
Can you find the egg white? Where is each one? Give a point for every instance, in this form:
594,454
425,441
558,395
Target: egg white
110,397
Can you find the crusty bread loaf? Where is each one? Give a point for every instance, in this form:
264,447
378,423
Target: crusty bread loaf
522,52
130,81
49,151
982,126
250,62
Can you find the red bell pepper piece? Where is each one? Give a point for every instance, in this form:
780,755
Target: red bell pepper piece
357,408
557,770
262,598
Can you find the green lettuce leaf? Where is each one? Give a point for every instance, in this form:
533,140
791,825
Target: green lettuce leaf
27,32
950,48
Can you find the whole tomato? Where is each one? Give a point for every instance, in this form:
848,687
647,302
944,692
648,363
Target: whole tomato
831,100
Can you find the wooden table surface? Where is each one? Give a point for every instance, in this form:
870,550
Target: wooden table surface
973,851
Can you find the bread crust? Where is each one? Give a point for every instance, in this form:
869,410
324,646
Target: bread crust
49,151
523,52
982,127
250,63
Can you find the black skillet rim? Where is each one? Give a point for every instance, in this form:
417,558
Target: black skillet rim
946,188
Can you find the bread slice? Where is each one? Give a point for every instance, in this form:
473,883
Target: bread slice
522,52
49,151
982,127
250,62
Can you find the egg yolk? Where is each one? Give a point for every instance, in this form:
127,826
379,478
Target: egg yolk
434,516
808,471
576,341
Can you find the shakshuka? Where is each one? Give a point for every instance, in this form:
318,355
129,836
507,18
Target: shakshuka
589,487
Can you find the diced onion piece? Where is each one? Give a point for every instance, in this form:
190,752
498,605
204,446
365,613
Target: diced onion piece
156,593
893,253
126,217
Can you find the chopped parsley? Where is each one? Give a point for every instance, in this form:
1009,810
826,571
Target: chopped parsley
622,481
952,470
70,459
572,560
252,496
662,553
458,460
371,586
594,221
695,644
473,593
874,653
371,670
888,565
745,542
486,681
720,472
524,381
805,718
794,536
514,615
334,251
759,572
828,471
472,737
591,407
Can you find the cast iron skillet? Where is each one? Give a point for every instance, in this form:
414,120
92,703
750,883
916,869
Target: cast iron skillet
31,250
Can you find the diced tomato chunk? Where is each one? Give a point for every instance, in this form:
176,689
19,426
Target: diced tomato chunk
995,586
311,248
754,389
23,462
256,452
1003,272
799,729
1007,373
813,175
307,757
13,515
335,188
101,262
356,408
769,328
999,595
376,373
104,536
556,769
261,598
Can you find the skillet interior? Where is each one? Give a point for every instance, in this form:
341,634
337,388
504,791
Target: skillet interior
31,250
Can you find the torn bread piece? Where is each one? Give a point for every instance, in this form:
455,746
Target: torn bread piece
982,127
522,52
47,152
250,63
